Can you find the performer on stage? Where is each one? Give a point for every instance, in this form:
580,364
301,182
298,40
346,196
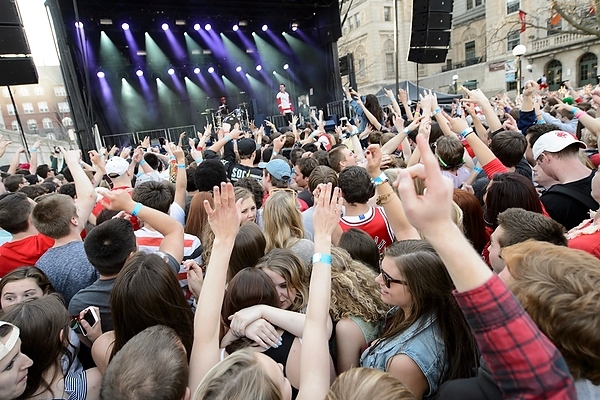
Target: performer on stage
284,103
223,107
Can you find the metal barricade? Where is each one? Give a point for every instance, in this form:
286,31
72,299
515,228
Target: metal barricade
341,108
120,140
154,134
175,131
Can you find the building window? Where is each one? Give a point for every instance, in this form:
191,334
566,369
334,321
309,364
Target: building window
67,121
32,125
511,86
588,68
358,20
10,109
472,3
60,91
39,91
470,56
387,14
63,107
350,23
15,126
554,74
47,123
43,106
512,6
5,92
389,65
28,108
512,39
23,91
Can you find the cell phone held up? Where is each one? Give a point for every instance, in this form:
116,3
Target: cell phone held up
91,318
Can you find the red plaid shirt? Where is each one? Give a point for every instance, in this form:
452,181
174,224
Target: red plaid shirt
524,363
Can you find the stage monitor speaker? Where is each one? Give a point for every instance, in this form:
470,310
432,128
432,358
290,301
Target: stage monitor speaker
432,22
424,7
17,71
13,40
430,39
427,55
8,13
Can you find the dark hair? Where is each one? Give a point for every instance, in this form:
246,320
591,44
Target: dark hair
361,247
336,156
156,195
509,147
519,225
128,377
450,152
52,215
68,189
248,248
12,182
322,157
253,186
306,165
372,104
296,155
356,185
509,190
431,291
105,215
322,174
33,191
311,147
191,185
49,186
41,322
109,244
534,132
209,174
28,272
152,160
15,210
473,221
42,171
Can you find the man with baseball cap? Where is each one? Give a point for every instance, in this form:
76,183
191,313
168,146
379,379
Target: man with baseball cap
246,149
557,153
277,175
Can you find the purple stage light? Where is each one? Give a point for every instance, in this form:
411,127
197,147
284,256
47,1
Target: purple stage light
196,27
100,74
196,70
171,71
258,67
236,28
265,28
238,69
165,27
139,72
211,70
286,67
125,26
79,24
207,27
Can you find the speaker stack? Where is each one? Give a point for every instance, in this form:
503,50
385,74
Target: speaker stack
16,62
431,24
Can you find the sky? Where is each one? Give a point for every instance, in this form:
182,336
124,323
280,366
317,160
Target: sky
38,31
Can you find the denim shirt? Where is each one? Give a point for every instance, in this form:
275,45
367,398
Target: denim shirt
422,342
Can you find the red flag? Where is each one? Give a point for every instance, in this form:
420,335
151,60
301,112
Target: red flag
523,19
554,16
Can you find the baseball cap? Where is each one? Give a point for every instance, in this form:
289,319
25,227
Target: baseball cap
116,165
7,347
279,168
553,142
246,146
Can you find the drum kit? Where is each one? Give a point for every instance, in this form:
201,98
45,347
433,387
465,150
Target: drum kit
240,114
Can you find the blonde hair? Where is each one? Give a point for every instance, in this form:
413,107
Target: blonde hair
354,291
238,377
364,383
282,221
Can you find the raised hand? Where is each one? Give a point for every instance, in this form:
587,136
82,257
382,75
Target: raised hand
95,157
178,153
118,200
146,142
71,156
224,218
195,277
328,209
403,96
388,93
475,96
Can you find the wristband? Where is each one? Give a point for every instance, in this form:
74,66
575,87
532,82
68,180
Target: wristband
199,160
180,166
199,148
436,111
380,180
171,157
142,162
406,130
139,174
321,258
540,122
579,114
136,209
466,132
275,153
478,170
575,109
32,149
228,138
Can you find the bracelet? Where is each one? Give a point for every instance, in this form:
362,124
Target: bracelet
228,138
540,122
466,132
136,209
575,109
32,149
142,162
321,258
477,169
171,157
384,198
406,130
199,148
380,180
139,174
436,111
199,160
180,166
579,114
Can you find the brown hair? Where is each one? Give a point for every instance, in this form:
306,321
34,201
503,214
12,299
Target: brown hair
156,195
449,151
473,222
519,225
335,156
28,272
322,174
248,248
560,290
509,147
508,190
52,215
15,209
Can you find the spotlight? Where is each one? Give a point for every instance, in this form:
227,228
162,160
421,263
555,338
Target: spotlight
243,23
285,66
100,74
238,69
294,26
211,70
165,27
236,28
274,72
171,71
196,27
196,70
79,24
258,67
139,72
265,28
207,27
125,26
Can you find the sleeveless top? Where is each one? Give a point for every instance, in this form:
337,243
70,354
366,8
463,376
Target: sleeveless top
422,342
281,353
370,330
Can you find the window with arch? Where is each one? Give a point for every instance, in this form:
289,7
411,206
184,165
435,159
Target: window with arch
554,74
390,67
15,126
67,121
32,125
47,123
588,69
361,56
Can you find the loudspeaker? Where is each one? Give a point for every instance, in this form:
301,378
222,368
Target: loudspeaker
430,39
431,24
442,6
8,13
17,71
432,21
427,55
13,40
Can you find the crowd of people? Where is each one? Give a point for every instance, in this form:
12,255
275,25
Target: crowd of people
421,251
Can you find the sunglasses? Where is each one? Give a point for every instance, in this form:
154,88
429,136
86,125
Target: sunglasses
388,280
287,190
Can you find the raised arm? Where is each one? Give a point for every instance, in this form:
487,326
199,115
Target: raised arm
86,196
404,100
476,96
372,120
14,163
33,161
181,179
224,221
395,106
402,134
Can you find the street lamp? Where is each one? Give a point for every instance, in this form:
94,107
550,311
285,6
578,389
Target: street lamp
518,52
455,83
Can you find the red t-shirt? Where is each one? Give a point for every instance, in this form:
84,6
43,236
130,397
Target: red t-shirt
375,223
101,206
589,243
23,253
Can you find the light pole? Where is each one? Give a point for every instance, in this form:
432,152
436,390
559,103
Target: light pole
455,83
518,52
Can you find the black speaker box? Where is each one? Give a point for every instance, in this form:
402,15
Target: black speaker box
430,39
17,71
432,21
427,56
8,13
423,7
13,40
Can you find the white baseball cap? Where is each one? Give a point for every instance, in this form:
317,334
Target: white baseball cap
553,142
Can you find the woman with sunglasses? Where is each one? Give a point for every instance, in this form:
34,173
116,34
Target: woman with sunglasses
426,340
